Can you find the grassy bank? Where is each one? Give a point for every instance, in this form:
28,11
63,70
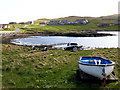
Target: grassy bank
69,28
23,68
60,28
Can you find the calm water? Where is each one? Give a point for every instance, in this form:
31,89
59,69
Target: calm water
98,42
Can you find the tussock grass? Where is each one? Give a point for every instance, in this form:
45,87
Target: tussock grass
48,69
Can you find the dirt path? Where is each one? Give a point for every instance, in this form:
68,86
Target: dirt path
7,32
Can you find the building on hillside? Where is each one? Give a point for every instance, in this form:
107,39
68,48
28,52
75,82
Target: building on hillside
43,23
12,23
25,26
21,23
71,22
64,21
61,23
54,22
81,21
30,22
4,26
1,26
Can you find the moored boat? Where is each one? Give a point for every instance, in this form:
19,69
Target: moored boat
72,45
96,66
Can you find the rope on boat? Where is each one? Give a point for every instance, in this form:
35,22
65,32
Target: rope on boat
105,75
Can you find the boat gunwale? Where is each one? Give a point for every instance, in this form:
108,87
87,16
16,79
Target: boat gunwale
101,65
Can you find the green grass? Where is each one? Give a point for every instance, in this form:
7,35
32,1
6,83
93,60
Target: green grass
60,28
50,69
69,28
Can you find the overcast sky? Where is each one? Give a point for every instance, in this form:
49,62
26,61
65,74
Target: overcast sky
25,10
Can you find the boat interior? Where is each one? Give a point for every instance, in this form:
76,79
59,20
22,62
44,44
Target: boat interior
95,60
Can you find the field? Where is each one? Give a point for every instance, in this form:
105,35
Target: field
23,68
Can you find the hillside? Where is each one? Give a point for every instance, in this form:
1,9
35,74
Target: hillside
102,19
95,23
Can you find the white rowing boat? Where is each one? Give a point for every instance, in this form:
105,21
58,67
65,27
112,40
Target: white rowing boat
96,66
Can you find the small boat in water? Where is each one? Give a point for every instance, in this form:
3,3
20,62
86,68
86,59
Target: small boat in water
96,66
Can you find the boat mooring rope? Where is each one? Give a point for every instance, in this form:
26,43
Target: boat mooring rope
105,75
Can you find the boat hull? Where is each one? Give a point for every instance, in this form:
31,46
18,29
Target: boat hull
96,70
71,48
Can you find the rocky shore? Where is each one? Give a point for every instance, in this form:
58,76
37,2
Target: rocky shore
84,34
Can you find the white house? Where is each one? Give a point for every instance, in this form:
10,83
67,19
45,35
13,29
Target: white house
82,21
64,21
3,26
43,23
12,23
71,22
30,22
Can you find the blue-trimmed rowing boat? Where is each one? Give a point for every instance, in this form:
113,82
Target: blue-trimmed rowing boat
96,66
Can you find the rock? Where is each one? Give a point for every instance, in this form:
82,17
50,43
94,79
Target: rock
55,60
50,68
38,67
41,64
8,46
66,63
44,57
8,69
66,56
11,83
112,56
32,61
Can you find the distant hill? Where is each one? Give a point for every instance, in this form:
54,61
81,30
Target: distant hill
102,19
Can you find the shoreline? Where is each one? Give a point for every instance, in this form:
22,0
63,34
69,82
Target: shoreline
7,37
